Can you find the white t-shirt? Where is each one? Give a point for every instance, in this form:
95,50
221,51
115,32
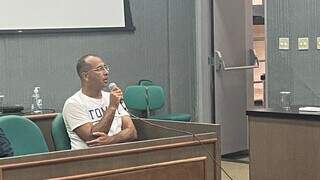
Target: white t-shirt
80,109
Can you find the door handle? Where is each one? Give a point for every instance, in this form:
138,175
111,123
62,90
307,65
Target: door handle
220,64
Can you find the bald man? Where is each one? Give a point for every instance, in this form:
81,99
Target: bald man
92,116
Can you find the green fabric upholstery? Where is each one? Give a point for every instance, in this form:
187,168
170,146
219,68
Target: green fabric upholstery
59,134
173,116
156,100
24,135
135,97
150,98
145,82
155,97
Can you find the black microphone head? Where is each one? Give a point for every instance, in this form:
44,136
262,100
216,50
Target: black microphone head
112,85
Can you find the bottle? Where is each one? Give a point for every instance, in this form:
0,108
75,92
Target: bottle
1,102
36,105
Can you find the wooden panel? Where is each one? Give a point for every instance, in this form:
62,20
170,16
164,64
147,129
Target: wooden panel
283,149
187,169
112,157
159,146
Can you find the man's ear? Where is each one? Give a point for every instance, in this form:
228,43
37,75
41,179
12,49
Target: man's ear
84,76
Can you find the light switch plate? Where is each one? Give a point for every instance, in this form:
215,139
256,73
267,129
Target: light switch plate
284,43
318,42
303,43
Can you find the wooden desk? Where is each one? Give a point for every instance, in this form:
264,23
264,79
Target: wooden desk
159,154
284,145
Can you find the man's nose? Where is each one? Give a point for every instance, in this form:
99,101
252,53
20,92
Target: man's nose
106,72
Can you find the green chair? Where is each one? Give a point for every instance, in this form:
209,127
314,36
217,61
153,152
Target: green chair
59,134
24,135
145,82
156,101
135,98
147,99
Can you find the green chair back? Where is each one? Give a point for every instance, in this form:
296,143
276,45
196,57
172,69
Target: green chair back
59,134
155,97
24,135
135,97
150,98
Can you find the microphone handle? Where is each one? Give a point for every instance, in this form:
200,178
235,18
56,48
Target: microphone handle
123,105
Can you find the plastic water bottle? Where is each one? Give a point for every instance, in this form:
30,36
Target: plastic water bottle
36,105
1,102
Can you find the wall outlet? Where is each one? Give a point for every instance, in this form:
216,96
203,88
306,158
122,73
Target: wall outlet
303,43
318,42
284,43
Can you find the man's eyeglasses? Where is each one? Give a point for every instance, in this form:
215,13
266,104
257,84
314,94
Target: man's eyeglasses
101,68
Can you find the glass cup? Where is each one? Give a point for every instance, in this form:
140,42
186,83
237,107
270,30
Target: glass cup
1,103
285,100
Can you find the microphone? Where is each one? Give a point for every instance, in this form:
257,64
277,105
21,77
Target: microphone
112,86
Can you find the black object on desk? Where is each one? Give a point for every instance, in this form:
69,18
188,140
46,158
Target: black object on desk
11,109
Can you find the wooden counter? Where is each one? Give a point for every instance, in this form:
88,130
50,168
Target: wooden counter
159,153
284,145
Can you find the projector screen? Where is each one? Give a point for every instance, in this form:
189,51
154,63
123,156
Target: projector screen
66,15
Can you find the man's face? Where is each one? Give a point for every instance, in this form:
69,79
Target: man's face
97,76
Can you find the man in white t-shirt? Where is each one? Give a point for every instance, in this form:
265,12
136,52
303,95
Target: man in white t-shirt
92,116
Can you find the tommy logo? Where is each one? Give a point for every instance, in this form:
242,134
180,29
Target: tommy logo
96,113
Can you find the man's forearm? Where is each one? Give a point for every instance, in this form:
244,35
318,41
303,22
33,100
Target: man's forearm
124,136
105,123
